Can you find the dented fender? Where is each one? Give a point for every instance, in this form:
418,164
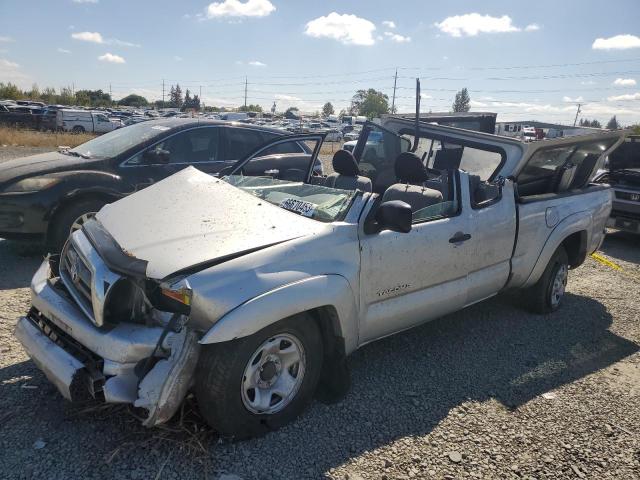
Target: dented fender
287,300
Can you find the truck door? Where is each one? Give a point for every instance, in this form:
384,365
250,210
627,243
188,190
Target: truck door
409,278
492,215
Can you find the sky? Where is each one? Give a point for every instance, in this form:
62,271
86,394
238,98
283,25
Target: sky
523,60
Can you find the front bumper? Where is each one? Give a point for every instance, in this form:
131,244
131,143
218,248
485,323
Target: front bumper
23,215
107,363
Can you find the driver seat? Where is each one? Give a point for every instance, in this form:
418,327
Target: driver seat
412,173
346,176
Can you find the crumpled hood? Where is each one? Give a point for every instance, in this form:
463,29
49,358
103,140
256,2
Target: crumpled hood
190,218
41,164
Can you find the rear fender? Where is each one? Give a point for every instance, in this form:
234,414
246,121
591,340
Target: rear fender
288,300
581,221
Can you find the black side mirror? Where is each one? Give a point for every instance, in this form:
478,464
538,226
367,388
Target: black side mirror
394,215
156,156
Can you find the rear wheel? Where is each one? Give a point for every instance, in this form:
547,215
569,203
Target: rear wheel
259,383
547,294
78,129
70,219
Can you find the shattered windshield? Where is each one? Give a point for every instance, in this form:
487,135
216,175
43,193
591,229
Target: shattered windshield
118,141
313,201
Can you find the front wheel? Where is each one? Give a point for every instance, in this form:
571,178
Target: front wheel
70,219
252,385
547,294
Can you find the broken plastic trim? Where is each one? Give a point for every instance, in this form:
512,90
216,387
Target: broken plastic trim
111,252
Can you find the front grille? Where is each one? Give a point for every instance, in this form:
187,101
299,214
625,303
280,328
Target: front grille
76,275
630,196
86,277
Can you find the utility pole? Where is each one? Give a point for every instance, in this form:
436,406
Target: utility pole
393,101
577,113
245,91
163,93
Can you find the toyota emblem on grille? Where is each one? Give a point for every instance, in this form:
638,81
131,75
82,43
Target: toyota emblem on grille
73,271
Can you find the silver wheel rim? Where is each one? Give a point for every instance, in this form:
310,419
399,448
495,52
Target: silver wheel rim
81,220
273,374
559,285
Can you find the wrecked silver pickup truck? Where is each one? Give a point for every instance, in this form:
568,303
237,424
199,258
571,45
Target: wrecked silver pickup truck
252,289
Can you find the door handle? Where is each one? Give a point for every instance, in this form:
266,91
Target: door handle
459,237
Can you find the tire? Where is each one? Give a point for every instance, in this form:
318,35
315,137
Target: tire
546,295
221,379
63,222
78,129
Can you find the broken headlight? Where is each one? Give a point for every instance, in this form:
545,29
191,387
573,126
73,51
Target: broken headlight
175,296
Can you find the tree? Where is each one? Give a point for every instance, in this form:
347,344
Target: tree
9,91
134,100
66,96
370,103
613,124
91,98
48,95
175,96
327,109
462,101
250,108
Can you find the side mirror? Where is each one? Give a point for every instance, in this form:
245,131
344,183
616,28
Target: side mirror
394,215
156,156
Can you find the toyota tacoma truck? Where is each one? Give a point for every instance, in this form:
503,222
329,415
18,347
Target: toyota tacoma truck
252,289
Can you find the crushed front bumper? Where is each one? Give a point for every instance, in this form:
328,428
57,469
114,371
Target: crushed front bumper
107,363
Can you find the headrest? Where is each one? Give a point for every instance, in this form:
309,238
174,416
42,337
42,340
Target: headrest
345,163
409,168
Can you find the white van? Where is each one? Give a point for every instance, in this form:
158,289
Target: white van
84,121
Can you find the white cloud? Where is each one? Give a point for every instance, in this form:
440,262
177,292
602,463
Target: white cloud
475,103
63,50
96,37
532,27
348,29
618,42
237,8
394,37
587,82
572,100
628,96
85,1
111,58
5,39
93,37
255,63
624,82
12,72
471,24
389,23
177,58
121,43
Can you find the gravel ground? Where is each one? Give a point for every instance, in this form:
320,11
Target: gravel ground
489,392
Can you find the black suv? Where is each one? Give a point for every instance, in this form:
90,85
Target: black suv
622,172
46,196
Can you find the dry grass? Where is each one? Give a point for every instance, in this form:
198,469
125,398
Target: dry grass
33,138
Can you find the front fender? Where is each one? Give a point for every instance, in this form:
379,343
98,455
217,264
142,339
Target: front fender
577,222
287,300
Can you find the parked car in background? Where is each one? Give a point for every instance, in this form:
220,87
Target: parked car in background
79,121
46,196
255,288
622,172
20,116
